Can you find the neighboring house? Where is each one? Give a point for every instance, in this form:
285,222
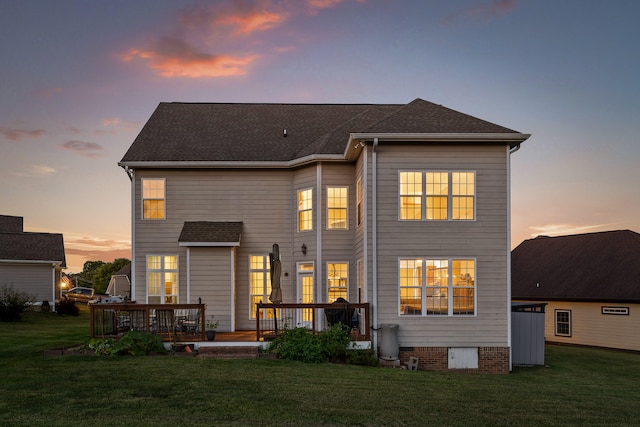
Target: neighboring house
590,282
120,283
30,262
403,206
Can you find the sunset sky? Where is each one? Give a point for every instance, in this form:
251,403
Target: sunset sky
80,78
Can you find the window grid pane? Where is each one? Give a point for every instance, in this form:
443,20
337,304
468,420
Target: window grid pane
437,286
337,201
437,195
463,195
305,210
153,198
259,282
337,281
411,195
162,279
410,287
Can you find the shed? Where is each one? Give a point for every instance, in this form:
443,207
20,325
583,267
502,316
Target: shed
527,333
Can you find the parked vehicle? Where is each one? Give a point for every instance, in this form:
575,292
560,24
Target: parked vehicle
80,294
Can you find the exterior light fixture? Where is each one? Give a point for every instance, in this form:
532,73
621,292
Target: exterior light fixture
304,249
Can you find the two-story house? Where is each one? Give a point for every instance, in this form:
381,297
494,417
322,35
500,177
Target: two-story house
402,206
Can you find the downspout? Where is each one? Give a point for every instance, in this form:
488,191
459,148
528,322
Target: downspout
509,343
188,275
132,174
319,286
374,242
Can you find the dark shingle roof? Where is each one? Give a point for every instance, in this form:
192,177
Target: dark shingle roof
585,267
32,247
211,232
254,132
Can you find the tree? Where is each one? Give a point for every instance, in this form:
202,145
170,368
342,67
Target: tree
99,273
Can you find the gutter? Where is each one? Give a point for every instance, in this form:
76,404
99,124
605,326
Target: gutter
374,243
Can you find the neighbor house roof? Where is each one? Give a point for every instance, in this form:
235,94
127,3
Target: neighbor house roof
585,267
32,247
219,132
210,233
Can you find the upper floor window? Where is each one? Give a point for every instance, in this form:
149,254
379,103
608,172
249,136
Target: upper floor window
337,280
437,286
153,198
305,210
162,279
359,201
337,202
434,195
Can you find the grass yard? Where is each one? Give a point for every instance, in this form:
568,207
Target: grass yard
579,386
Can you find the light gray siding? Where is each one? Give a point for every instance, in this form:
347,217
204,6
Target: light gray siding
34,279
484,239
212,280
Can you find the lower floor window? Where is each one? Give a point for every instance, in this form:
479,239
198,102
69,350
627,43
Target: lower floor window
162,279
437,286
337,280
259,283
563,323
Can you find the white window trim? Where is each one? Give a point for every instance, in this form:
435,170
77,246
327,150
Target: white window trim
450,286
142,199
359,202
298,210
162,270
423,208
327,279
555,322
267,281
346,187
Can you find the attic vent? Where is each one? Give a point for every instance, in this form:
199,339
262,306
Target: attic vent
284,133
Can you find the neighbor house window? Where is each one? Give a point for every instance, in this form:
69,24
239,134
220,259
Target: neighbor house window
563,323
305,210
337,202
437,195
162,279
153,198
337,280
360,201
259,282
437,286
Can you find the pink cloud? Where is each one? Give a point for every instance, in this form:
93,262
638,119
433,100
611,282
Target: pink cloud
494,9
20,134
48,93
84,149
214,41
316,5
172,57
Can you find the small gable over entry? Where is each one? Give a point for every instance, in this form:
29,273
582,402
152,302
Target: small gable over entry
211,266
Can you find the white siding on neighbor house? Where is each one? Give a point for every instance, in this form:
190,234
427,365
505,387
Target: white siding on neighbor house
211,280
263,200
35,279
590,327
483,239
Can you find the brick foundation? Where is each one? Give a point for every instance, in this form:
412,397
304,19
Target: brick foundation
491,360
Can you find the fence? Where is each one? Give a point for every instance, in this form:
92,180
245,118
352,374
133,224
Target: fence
272,319
173,322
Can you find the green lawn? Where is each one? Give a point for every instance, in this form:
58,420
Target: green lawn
579,386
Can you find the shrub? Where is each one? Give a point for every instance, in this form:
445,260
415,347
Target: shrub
299,344
66,306
13,303
303,345
335,342
362,357
133,343
138,343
